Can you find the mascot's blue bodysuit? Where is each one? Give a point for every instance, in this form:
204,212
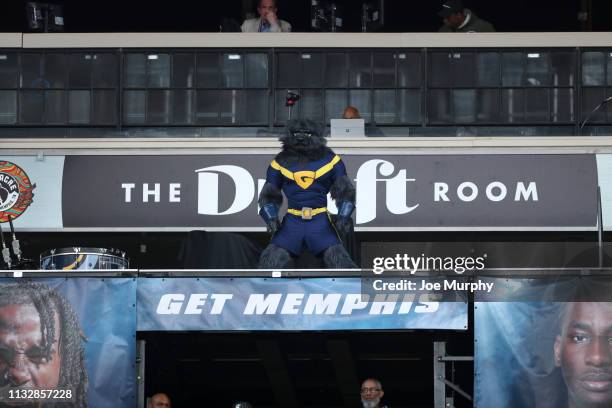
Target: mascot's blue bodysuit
306,171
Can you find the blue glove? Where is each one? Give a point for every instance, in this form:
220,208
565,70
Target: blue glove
269,213
344,222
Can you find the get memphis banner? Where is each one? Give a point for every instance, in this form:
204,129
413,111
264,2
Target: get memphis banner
78,332
285,304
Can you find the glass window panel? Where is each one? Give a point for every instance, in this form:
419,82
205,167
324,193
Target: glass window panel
488,105
362,101
562,105
593,68
208,70
80,70
335,70
439,69
384,105
408,69
8,107
439,107
257,106
537,71
313,70
8,70
31,107
79,104
513,105
232,70
335,102
183,70
360,69
134,107
104,107
281,112
231,106
513,66
536,105
384,69
464,105
410,106
55,107
464,68
207,106
159,70
563,68
183,107
312,104
55,70
135,70
488,68
257,70
287,70
158,106
591,97
31,71
105,71
608,108
609,67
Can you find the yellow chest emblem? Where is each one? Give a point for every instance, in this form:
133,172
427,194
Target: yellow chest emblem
304,179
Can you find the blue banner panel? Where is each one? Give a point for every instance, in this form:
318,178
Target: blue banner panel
285,304
544,354
73,334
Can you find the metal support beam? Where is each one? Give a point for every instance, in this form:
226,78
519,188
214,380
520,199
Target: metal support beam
439,371
140,372
276,368
441,382
344,368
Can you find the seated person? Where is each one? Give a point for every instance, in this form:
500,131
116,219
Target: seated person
458,19
351,112
268,22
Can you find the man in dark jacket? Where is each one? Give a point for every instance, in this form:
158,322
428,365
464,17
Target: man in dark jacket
458,19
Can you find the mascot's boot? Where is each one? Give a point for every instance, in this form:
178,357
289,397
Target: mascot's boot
274,257
336,257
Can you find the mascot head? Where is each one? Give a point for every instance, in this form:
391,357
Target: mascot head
304,135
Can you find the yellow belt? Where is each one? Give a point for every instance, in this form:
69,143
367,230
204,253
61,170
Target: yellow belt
306,212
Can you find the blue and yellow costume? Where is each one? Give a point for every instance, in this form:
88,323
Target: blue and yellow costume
306,185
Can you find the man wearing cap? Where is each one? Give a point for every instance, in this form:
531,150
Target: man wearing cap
458,19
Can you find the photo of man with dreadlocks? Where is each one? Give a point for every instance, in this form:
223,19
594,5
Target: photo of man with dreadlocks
41,344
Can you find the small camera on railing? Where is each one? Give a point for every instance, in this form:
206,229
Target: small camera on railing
291,98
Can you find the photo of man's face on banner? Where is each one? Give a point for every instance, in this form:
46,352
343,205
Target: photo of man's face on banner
74,337
545,354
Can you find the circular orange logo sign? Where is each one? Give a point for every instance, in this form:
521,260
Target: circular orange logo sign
15,191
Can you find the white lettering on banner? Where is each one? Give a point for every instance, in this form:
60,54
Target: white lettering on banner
530,191
219,302
174,195
146,192
174,192
353,302
369,175
495,191
384,304
195,303
295,303
128,187
319,304
260,304
170,304
366,182
208,189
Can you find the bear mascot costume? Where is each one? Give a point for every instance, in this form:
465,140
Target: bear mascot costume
306,170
